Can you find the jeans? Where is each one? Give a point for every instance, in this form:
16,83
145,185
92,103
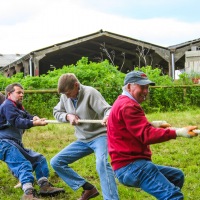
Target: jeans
162,182
21,167
77,150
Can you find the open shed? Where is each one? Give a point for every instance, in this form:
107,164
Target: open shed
122,51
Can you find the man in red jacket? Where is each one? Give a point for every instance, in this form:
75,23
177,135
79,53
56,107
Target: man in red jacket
129,137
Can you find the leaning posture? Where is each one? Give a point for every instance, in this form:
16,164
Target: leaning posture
78,101
14,119
129,137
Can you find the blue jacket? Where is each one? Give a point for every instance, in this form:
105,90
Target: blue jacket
13,120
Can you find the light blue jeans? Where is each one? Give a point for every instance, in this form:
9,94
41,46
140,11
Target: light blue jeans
23,163
77,150
162,182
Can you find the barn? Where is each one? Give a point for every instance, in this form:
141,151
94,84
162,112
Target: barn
122,51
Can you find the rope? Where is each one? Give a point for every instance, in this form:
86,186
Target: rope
83,121
196,131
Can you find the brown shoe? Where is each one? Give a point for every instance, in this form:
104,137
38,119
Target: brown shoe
30,195
47,189
88,194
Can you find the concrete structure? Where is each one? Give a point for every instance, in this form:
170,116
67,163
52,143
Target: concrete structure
192,61
122,51
6,59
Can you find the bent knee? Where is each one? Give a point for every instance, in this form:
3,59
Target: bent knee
53,162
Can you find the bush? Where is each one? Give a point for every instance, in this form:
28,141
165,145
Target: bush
103,76
167,95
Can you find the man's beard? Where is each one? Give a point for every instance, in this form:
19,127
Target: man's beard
18,103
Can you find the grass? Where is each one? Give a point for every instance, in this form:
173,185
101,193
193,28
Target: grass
49,140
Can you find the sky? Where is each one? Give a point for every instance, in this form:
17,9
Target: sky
28,25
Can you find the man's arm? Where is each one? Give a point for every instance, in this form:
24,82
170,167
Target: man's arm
15,117
59,111
99,104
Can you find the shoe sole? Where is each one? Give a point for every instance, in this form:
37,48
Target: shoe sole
94,195
51,194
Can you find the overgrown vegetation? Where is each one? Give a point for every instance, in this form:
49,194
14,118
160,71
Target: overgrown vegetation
182,153
167,95
103,76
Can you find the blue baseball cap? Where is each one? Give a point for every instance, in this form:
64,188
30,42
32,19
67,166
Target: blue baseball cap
137,77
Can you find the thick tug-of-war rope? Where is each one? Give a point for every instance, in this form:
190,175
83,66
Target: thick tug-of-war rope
164,125
80,121
196,131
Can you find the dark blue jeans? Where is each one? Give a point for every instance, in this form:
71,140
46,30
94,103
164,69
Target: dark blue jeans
23,163
162,182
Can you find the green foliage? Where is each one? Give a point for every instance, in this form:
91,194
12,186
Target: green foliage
6,81
185,79
103,76
167,95
41,104
155,76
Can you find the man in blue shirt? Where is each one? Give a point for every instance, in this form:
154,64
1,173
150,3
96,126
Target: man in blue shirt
14,119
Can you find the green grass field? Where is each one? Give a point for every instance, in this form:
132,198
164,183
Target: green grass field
49,140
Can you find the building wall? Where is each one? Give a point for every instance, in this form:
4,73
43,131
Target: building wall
192,62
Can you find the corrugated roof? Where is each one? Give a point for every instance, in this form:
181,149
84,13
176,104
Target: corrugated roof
187,43
69,52
6,59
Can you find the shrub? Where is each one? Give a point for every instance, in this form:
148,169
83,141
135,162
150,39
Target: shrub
167,95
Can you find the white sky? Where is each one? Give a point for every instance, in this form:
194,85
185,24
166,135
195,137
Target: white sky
28,25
